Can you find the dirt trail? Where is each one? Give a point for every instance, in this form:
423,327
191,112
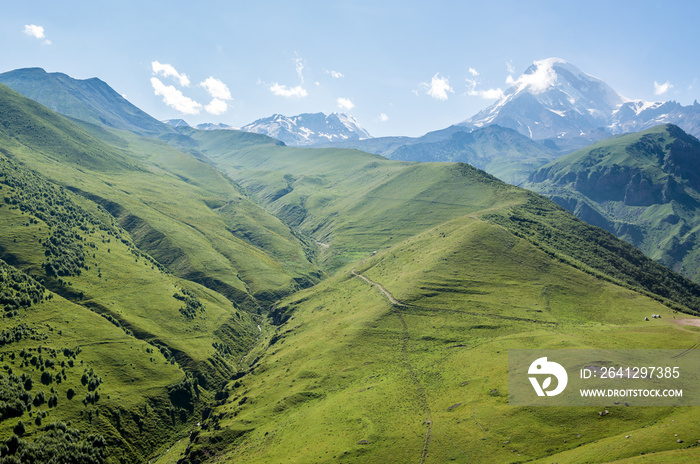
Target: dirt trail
404,350
381,288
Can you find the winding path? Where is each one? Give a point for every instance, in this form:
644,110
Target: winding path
404,349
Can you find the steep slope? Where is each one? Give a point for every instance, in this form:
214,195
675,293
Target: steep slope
354,204
177,207
90,100
643,187
96,335
412,364
308,128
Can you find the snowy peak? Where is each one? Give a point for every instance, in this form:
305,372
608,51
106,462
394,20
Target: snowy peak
175,122
551,99
214,126
309,128
554,100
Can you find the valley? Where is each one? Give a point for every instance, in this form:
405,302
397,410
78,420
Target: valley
182,295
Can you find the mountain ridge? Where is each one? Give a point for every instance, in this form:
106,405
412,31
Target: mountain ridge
308,128
643,187
91,100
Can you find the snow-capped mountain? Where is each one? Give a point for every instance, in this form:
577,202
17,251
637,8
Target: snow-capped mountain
213,126
638,115
554,100
309,128
175,122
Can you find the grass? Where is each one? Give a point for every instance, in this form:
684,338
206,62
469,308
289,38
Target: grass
642,187
180,210
361,377
479,267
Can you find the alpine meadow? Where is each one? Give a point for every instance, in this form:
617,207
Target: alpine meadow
295,290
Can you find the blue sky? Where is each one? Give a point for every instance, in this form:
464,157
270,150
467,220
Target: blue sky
399,67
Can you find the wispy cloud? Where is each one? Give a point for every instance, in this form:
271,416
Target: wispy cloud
284,91
335,74
167,70
299,66
473,72
345,104
660,89
486,94
438,88
174,98
383,117
510,67
37,32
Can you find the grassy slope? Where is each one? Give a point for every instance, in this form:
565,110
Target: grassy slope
642,187
179,209
144,345
488,267
90,99
138,297
361,378
352,201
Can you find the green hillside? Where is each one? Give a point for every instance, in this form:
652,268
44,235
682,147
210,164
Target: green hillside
214,296
424,379
191,218
644,188
500,151
96,335
90,100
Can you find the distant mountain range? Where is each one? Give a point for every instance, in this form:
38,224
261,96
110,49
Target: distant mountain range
204,126
553,103
643,187
309,128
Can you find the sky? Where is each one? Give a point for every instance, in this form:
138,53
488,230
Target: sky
399,67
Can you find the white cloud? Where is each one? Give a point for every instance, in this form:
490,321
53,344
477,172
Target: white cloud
216,88
37,32
540,80
660,89
174,98
335,74
488,94
284,91
510,67
510,80
383,117
438,87
167,70
473,72
345,104
216,107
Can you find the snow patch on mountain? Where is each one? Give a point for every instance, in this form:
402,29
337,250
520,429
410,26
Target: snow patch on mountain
309,128
554,100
